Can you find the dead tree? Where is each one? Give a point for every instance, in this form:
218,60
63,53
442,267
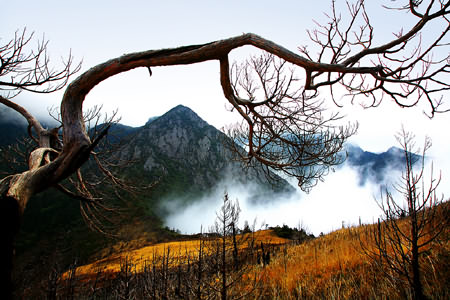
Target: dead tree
405,69
287,131
410,228
229,248
32,72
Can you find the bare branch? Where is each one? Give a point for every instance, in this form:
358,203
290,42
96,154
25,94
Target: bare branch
23,70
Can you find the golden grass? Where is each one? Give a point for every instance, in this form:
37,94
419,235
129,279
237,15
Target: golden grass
333,266
314,265
178,252
336,266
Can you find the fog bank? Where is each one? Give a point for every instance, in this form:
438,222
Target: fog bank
340,199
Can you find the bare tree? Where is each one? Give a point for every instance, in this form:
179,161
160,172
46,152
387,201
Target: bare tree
32,72
348,57
26,70
229,253
101,180
23,70
409,229
287,131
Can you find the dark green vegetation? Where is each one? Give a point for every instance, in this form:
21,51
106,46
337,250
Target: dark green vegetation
292,233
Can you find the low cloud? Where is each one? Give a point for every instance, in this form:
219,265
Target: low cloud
340,199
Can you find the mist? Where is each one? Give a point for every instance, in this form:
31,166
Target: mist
339,200
345,198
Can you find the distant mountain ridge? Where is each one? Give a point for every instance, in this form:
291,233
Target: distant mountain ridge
375,167
12,125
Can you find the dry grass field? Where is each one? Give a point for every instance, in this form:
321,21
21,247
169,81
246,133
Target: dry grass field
177,250
332,266
335,266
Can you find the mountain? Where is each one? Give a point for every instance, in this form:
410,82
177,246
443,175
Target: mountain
188,157
179,151
376,167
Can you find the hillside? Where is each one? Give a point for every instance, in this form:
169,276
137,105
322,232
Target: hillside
332,266
181,152
180,250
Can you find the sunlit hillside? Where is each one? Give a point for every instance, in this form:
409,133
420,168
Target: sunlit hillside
178,251
332,266
336,266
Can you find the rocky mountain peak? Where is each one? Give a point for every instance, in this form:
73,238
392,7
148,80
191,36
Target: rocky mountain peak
186,153
178,116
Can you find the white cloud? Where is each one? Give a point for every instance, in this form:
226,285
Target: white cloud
338,199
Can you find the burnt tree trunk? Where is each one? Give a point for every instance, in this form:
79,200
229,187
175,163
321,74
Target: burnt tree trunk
10,218
15,192
415,265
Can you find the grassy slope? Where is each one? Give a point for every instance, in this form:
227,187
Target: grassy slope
331,266
335,266
140,257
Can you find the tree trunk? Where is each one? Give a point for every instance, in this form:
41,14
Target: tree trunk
10,218
235,247
15,191
417,284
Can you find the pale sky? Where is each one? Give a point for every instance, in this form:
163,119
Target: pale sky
96,31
